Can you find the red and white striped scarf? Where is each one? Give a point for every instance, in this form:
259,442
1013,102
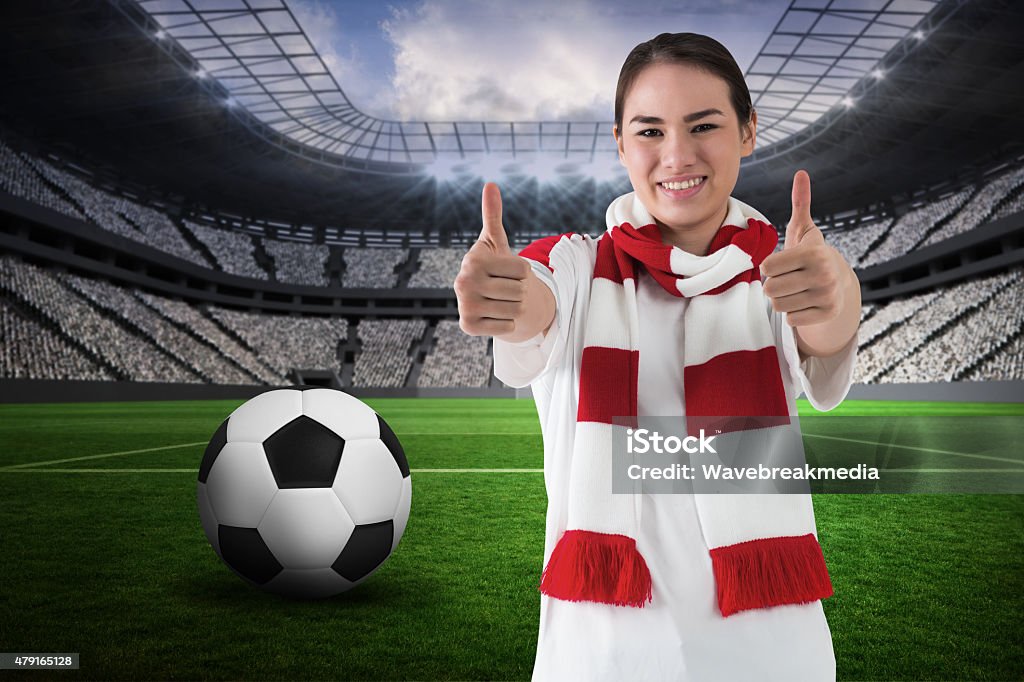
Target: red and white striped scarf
764,548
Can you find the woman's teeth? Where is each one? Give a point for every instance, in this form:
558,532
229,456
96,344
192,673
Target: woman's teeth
683,185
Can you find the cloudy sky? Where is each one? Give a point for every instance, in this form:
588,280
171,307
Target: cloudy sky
524,60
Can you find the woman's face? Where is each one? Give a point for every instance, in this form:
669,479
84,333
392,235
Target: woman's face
679,126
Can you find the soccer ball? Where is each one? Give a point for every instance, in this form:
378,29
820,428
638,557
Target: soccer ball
304,491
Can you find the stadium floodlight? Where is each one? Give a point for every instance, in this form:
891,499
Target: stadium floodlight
918,35
878,74
160,34
201,74
848,102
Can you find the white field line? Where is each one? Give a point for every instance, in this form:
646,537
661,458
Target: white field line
28,465
918,448
952,471
196,471
459,471
33,465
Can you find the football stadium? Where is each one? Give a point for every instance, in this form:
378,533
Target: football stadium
196,208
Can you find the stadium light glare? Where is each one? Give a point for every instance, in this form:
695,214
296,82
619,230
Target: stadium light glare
447,169
848,102
606,172
493,168
544,170
230,102
918,34
201,74
878,74
160,34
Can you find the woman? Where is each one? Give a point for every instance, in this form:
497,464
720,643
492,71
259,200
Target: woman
667,314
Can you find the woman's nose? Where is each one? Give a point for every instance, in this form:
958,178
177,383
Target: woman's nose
679,151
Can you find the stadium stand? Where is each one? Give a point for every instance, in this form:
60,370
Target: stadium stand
372,268
978,333
91,329
128,353
192,319
18,178
437,268
233,251
95,204
853,244
298,263
1015,204
384,360
456,360
911,228
1007,364
980,208
158,231
28,350
286,342
913,338
189,351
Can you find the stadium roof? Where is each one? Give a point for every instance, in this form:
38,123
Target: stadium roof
256,56
82,80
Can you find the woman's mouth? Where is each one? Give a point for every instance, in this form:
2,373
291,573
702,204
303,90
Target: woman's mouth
683,189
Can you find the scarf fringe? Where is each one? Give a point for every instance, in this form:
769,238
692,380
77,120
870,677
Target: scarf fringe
597,567
770,572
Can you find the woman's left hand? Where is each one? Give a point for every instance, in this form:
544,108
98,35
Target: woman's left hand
808,280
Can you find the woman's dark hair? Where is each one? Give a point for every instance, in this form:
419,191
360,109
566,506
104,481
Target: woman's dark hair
693,49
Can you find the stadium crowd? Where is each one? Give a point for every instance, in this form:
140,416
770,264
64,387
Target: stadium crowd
202,359
372,268
286,342
384,359
853,244
457,359
190,318
910,334
980,208
298,263
28,350
83,328
129,354
18,178
437,268
157,230
233,251
911,227
77,327
951,354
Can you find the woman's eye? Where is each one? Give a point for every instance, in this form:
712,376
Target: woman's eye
650,132
706,126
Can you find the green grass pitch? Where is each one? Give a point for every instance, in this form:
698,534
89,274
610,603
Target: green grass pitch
103,554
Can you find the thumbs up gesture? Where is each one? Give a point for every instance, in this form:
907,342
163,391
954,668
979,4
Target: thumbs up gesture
491,286
807,279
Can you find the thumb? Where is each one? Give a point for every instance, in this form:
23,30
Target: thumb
493,232
800,221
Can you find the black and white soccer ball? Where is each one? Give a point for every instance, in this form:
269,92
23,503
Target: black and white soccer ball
304,491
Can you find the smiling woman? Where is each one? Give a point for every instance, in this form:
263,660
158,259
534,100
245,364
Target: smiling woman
668,313
683,163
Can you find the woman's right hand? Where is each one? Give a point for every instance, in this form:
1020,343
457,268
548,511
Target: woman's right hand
497,292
